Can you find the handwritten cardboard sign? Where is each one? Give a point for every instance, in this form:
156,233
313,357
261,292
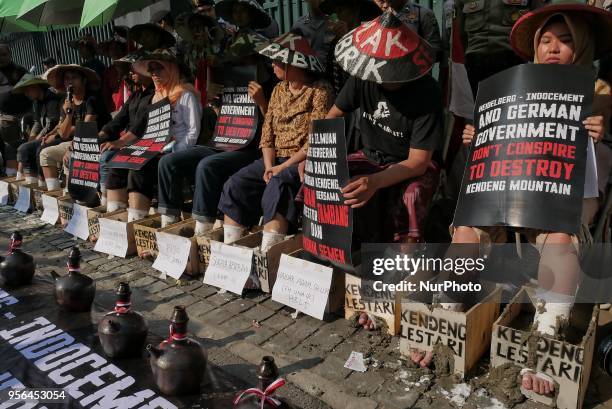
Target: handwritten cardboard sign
24,199
173,254
229,267
78,225
51,210
113,237
302,285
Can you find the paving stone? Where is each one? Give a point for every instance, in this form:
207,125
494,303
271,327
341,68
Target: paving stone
191,286
258,313
220,299
238,306
273,305
216,316
261,335
143,282
205,291
98,262
123,269
185,300
332,368
156,286
364,383
237,324
199,308
278,322
168,293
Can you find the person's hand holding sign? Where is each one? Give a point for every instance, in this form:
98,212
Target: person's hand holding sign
359,190
113,145
257,93
595,126
468,134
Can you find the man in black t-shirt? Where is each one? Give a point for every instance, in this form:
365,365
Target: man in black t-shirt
394,175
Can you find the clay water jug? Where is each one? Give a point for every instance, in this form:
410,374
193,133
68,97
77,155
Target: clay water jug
123,332
262,397
75,291
18,267
178,363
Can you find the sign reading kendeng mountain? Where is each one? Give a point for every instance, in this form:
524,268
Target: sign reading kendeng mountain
156,136
327,222
238,120
527,164
85,163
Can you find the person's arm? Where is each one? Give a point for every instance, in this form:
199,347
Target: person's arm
256,92
266,143
119,122
126,139
430,31
66,129
192,113
335,112
361,189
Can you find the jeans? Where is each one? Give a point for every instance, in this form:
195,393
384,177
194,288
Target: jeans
105,158
211,169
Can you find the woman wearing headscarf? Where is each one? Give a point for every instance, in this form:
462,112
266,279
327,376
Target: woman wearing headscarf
269,185
139,186
556,34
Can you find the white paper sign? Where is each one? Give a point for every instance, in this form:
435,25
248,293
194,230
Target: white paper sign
4,192
113,237
78,226
51,210
23,201
229,267
302,285
173,254
355,362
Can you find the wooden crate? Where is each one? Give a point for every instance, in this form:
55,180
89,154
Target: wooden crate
14,188
265,265
335,299
31,186
568,364
203,241
144,233
193,262
361,297
65,204
93,216
466,334
39,191
7,182
122,216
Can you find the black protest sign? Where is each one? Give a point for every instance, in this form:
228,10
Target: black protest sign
156,136
85,163
44,347
327,222
527,163
238,120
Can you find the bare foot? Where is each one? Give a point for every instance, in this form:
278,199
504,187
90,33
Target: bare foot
538,382
421,358
366,322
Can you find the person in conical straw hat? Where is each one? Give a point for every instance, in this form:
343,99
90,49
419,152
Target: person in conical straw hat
46,112
137,187
82,103
273,181
395,173
564,32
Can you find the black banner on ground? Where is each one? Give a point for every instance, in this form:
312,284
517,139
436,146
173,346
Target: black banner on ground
327,222
44,347
156,136
85,163
239,117
527,163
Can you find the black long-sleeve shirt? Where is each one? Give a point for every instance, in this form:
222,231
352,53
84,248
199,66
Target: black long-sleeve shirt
46,113
130,115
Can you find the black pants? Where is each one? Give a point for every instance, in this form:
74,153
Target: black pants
143,181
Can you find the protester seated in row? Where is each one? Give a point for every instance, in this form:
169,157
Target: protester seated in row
269,185
186,113
46,111
12,107
393,175
81,104
129,120
556,34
